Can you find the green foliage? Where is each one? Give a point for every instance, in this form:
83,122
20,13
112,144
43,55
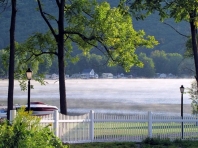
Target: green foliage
105,145
179,10
3,69
186,143
184,10
189,51
174,59
163,61
31,54
192,91
157,141
26,132
149,68
160,60
187,67
89,25
97,25
147,143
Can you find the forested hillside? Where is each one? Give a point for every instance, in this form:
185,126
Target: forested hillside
29,21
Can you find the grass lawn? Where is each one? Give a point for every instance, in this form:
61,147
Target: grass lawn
108,129
147,143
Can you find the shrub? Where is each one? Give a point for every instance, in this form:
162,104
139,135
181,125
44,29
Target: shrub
157,141
26,132
192,91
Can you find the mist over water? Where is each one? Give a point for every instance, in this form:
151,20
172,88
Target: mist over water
105,91
145,91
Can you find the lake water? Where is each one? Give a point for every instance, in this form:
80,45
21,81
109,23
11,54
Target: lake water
144,91
125,91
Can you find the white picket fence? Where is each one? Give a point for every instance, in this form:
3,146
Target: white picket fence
100,127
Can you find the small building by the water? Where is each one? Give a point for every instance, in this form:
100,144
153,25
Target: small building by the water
107,75
88,73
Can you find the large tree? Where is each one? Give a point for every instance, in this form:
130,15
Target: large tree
11,59
179,10
88,25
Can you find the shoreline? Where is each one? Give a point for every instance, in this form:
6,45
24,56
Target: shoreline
157,108
84,106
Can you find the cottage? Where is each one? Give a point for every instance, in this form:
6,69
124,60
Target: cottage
88,73
162,75
54,76
107,75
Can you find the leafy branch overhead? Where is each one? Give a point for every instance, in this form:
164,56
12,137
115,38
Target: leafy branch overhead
98,26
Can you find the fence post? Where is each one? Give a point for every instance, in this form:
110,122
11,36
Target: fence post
149,124
56,126
91,116
12,115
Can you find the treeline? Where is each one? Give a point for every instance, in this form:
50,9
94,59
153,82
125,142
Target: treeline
156,62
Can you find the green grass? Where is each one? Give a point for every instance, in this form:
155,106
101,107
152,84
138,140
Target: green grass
135,129
108,129
105,145
147,143
111,130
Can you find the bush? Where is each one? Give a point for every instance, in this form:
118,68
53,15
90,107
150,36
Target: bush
157,141
192,91
26,132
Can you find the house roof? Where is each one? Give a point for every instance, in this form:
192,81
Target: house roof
87,70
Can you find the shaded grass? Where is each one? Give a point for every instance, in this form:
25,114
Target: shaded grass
105,145
147,143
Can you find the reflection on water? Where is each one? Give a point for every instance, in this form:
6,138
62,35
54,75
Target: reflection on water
144,91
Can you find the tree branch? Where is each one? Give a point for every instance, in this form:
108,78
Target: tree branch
175,30
58,3
44,52
81,35
46,20
4,4
36,55
49,15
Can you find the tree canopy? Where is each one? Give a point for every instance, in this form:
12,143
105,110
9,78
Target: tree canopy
89,25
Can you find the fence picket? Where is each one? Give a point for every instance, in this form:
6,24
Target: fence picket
99,127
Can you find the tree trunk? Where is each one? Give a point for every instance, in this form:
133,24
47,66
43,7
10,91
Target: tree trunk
61,55
11,61
61,52
194,48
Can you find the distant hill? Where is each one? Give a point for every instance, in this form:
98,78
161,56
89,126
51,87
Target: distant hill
169,39
29,21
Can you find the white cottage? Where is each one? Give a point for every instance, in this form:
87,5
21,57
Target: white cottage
54,76
88,73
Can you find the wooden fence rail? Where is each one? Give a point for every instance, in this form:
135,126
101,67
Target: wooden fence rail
99,127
